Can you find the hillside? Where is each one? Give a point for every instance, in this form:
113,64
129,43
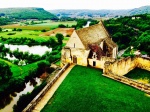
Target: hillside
27,13
101,13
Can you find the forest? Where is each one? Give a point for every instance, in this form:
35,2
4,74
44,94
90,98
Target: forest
131,31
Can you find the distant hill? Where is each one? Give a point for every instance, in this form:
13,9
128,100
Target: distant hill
101,13
141,10
27,13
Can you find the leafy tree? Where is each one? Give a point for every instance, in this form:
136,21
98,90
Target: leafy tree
0,29
43,30
144,41
61,26
5,72
60,38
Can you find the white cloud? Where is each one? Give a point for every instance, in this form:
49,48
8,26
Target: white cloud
75,4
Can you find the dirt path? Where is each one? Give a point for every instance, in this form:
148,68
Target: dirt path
51,91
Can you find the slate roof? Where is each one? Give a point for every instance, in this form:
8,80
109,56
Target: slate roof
94,35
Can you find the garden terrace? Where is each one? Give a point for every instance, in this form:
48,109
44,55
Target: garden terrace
86,90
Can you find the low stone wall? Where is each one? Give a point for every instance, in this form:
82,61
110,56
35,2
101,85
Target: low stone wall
34,102
130,82
116,70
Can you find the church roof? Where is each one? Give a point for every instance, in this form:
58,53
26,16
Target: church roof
94,35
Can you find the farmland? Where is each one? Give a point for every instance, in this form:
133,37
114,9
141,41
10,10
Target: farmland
86,90
47,25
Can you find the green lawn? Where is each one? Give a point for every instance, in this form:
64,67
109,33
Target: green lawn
139,74
86,90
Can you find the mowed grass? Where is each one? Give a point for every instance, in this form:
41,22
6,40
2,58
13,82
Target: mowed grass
86,90
139,74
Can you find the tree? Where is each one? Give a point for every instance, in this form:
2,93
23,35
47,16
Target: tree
5,72
60,38
0,29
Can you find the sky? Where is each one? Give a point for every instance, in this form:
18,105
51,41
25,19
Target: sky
75,4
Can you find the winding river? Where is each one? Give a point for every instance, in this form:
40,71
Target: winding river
13,99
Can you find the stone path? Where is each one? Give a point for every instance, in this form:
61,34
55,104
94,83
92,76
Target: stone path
51,91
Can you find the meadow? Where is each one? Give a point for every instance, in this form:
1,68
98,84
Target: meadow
86,90
24,33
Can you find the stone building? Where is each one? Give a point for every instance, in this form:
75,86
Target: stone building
88,45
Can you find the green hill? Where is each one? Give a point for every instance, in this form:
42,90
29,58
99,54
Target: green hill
100,13
140,10
27,13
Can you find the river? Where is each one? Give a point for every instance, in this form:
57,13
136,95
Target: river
28,88
38,49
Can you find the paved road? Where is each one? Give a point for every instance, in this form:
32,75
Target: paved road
51,91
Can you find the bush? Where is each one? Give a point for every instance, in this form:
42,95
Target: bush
43,30
12,33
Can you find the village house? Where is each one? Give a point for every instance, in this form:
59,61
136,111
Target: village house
88,45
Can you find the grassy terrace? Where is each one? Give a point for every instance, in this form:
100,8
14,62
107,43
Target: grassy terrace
86,90
139,75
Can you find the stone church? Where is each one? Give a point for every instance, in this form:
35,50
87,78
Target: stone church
88,45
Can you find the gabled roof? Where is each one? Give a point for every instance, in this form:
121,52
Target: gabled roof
94,35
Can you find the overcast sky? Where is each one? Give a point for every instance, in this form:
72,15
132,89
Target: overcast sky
75,4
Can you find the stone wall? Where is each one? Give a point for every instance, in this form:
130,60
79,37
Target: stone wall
100,63
74,55
117,69
125,65
143,63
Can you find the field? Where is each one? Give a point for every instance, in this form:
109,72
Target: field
47,25
24,33
64,31
54,24
26,27
86,90
139,75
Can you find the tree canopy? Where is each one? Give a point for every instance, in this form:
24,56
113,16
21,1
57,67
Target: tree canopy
5,72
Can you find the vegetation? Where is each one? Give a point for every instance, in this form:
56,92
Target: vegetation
139,74
130,31
60,38
86,90
25,99
5,21
5,71
20,75
27,13
83,22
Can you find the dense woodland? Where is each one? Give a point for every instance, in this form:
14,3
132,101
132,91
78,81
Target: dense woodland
131,31
27,13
